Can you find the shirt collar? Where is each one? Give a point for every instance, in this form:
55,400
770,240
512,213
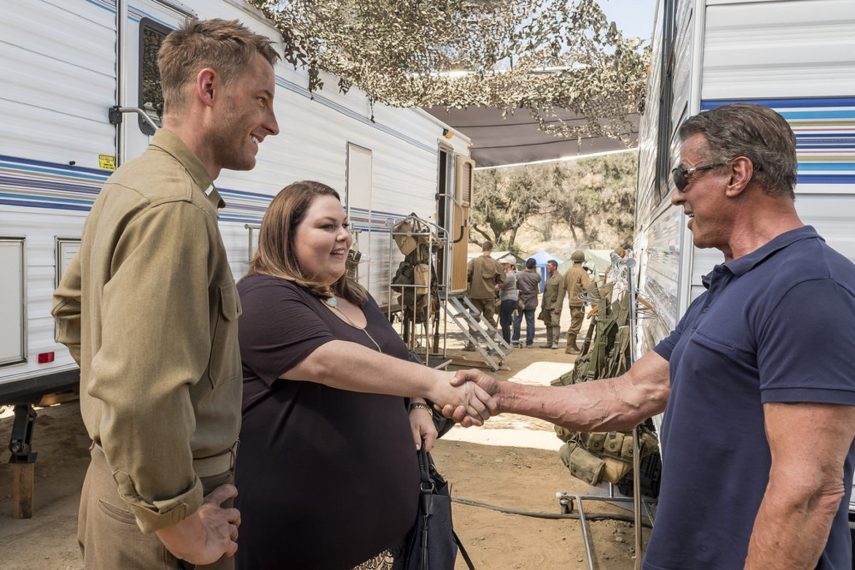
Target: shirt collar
751,260
215,199
169,143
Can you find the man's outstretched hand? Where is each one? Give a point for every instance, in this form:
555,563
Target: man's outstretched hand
487,386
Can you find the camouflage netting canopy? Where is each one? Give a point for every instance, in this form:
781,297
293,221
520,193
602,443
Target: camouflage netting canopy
546,56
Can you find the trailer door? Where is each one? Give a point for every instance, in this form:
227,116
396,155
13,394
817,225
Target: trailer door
459,227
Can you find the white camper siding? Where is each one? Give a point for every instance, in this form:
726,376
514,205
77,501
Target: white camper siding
660,277
779,49
795,57
58,81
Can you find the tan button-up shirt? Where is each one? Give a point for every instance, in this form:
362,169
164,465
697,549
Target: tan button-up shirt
484,273
149,310
576,281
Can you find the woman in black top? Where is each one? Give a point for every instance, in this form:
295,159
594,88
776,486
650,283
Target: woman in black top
326,472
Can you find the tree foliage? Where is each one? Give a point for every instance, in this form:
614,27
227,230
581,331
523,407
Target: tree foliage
503,203
593,197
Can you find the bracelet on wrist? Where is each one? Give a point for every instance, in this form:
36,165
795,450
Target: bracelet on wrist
420,406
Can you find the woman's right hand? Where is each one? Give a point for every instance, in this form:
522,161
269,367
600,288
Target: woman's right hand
472,405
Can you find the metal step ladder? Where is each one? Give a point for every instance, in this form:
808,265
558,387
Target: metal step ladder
478,331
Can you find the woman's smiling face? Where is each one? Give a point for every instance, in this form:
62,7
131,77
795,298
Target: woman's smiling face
323,240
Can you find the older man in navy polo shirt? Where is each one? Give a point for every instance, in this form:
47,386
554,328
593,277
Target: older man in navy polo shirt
757,382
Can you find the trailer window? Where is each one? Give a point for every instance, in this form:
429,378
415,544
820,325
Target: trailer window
13,347
150,94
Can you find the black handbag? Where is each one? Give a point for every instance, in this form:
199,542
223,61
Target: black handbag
432,543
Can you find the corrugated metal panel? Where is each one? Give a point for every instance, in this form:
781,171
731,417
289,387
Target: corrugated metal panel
647,195
660,264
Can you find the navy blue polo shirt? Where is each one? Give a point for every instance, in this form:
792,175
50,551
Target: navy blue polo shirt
776,325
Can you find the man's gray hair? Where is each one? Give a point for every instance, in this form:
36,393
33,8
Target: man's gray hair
752,131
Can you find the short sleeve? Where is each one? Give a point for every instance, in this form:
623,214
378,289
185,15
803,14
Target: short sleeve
667,345
806,346
279,326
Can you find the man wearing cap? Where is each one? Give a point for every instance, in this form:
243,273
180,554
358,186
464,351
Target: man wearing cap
485,279
576,282
509,294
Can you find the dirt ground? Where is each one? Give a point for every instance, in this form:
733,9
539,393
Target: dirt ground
510,462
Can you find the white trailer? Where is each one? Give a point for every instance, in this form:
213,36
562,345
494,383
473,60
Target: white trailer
65,65
795,56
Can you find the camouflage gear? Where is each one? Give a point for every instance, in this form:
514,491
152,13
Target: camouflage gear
603,456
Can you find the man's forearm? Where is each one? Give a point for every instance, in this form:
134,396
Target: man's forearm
600,405
791,534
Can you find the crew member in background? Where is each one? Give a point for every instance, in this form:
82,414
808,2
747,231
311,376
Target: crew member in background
550,306
575,283
485,278
509,294
528,283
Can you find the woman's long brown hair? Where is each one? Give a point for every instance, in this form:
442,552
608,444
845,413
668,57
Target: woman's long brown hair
276,254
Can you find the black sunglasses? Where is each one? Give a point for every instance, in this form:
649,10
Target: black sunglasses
681,175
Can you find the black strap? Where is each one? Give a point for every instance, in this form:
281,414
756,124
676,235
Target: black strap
463,552
424,469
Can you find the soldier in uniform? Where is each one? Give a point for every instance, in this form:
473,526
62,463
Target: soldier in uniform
485,277
576,282
550,306
149,311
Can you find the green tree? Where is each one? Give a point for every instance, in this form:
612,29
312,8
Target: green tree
504,200
594,197
590,195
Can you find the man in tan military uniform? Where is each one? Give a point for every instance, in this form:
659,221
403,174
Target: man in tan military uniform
485,277
149,310
550,305
576,282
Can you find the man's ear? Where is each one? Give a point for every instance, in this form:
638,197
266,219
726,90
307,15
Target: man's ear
741,171
206,81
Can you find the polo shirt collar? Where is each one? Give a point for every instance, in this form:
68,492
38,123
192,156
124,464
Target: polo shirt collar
169,143
751,260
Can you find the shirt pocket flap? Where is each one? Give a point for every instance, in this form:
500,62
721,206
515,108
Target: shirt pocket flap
229,302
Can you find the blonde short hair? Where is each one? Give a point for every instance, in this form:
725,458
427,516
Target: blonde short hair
226,46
